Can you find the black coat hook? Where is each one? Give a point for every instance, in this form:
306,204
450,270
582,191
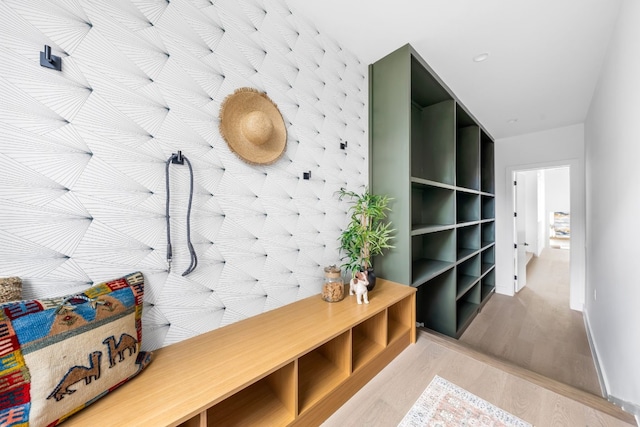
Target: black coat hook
177,158
50,61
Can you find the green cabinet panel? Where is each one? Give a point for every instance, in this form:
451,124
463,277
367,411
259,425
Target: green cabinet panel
436,161
390,103
433,145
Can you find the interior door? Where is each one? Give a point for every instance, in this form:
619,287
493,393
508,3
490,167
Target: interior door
519,224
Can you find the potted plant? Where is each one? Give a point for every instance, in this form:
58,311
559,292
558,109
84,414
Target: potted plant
367,233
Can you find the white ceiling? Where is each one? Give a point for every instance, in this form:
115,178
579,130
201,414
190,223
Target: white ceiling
544,55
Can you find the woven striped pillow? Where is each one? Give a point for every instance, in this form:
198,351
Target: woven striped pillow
59,355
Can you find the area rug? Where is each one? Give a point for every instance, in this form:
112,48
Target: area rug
444,404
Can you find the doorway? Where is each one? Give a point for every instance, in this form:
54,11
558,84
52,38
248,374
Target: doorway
541,215
536,327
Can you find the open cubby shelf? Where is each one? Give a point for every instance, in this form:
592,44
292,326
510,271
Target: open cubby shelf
445,213
488,207
467,150
432,140
467,307
468,275
436,303
433,253
265,398
398,323
486,267
467,240
426,269
369,339
488,259
487,162
487,290
466,310
293,365
488,233
488,285
468,207
431,206
465,282
322,369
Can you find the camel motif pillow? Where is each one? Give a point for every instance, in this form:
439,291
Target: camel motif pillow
61,354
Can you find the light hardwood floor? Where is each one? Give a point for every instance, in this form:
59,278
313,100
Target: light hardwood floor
387,397
536,329
520,353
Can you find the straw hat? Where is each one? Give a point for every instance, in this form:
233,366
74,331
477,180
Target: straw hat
252,126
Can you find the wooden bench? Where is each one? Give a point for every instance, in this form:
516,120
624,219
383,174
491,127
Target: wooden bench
294,365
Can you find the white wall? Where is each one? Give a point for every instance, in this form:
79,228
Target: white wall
557,190
557,195
83,151
531,206
613,209
555,147
542,209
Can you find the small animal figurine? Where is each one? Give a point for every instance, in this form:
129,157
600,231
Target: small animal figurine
358,286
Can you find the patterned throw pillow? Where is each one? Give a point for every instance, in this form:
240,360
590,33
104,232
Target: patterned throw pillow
10,289
59,355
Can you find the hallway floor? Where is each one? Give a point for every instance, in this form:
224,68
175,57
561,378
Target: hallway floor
519,354
541,401
536,329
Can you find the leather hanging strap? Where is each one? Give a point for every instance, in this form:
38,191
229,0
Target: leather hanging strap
179,159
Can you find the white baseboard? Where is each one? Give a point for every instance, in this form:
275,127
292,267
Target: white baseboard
629,407
594,354
626,406
504,290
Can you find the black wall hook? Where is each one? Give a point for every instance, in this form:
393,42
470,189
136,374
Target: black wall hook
343,145
306,175
50,61
177,158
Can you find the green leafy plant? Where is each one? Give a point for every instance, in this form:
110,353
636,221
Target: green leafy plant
367,233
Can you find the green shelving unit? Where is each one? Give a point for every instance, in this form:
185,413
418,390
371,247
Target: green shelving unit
430,154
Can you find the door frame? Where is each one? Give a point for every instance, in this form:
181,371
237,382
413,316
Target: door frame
577,253
519,253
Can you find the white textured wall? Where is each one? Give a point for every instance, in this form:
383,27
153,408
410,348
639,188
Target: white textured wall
555,147
613,210
82,188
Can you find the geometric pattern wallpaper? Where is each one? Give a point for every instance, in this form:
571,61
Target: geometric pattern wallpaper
83,152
